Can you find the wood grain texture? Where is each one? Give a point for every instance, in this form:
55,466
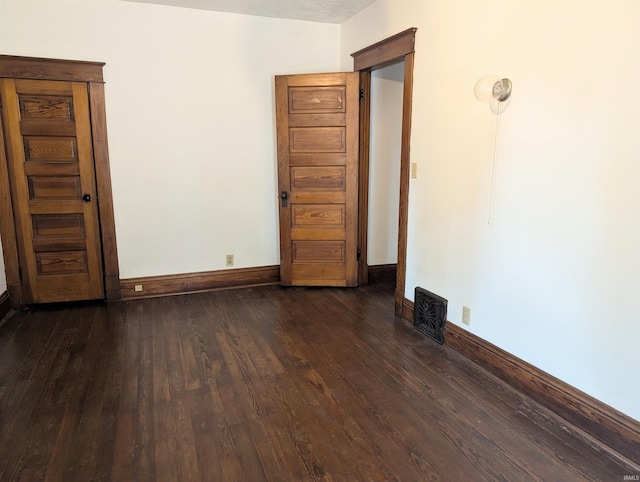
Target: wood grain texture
50,69
39,163
363,173
317,131
317,139
105,196
399,47
47,69
382,272
405,166
49,187
264,384
318,216
320,178
193,282
8,229
312,100
386,51
597,422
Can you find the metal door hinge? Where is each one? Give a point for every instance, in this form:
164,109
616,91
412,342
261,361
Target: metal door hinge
358,255
361,95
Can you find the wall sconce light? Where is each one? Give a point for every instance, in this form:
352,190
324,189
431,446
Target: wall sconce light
494,91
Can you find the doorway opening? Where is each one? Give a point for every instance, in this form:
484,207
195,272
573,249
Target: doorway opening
385,141
398,48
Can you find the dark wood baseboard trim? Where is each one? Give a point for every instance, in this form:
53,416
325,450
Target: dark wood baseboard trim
610,429
382,272
407,309
5,304
193,282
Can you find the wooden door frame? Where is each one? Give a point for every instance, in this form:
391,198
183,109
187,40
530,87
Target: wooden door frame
399,47
70,71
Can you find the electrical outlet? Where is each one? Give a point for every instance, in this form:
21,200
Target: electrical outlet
466,315
137,287
229,260
414,170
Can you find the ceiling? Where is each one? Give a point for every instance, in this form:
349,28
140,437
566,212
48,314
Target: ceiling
325,11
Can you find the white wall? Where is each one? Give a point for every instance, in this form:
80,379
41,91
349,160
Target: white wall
387,86
190,115
554,280
3,278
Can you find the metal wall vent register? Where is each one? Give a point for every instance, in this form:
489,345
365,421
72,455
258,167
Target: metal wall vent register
429,314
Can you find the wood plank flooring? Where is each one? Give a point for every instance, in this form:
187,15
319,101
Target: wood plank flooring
268,384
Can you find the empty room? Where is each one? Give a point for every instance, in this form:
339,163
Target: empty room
319,240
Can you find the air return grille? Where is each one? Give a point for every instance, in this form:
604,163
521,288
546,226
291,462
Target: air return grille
429,314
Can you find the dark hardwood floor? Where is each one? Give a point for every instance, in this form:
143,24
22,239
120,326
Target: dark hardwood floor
264,384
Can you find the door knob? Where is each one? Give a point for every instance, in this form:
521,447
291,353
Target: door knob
86,198
283,197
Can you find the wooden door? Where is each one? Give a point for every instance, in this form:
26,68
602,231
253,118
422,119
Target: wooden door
317,131
47,133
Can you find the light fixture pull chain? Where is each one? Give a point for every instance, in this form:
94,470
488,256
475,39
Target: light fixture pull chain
493,167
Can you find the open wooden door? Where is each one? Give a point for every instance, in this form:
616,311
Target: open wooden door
47,134
318,140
